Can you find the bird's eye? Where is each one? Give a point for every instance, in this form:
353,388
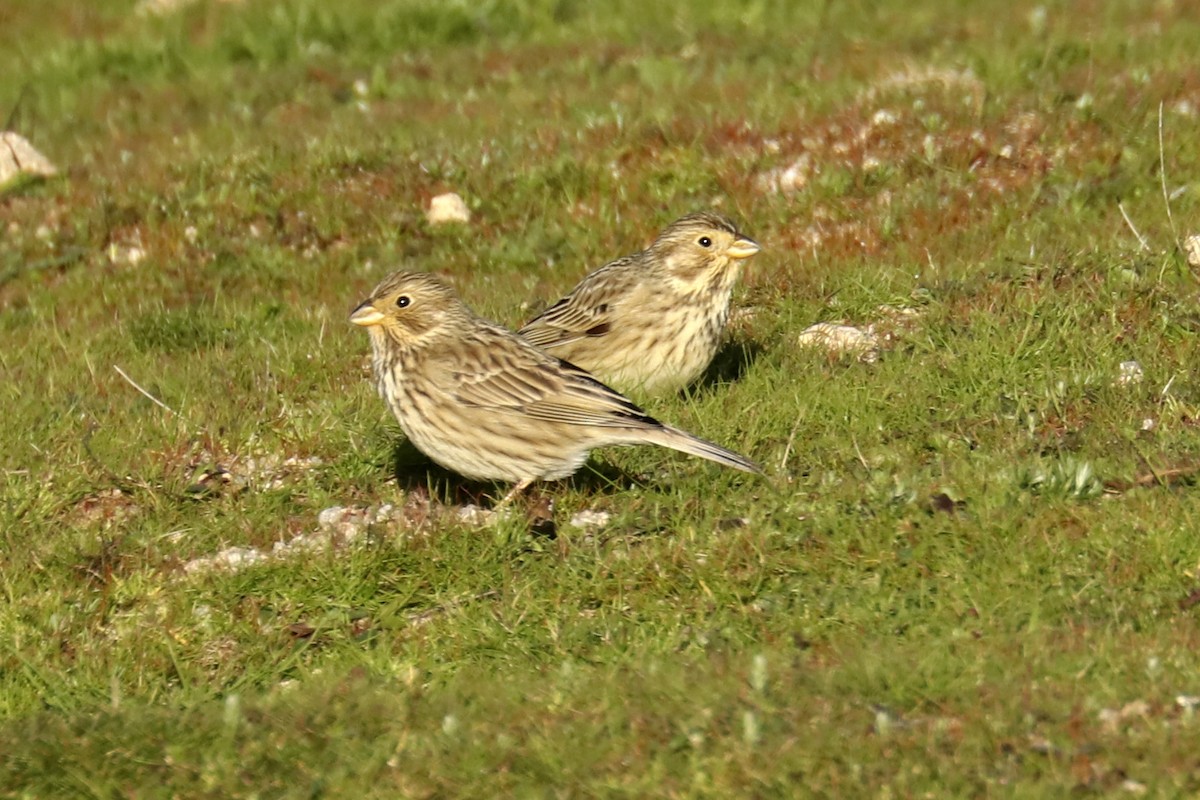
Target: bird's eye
705,241
402,301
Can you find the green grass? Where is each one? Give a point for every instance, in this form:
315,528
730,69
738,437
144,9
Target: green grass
970,572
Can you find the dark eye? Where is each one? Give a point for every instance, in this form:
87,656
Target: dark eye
705,241
402,301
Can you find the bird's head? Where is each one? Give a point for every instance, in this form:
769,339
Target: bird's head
701,249
410,309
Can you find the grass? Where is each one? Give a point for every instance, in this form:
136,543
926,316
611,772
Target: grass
972,570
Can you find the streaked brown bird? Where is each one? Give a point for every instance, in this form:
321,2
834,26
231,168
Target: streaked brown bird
651,321
480,400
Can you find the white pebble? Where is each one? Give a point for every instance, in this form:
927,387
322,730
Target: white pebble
472,514
1191,248
588,519
447,208
883,117
841,339
1130,372
18,157
330,517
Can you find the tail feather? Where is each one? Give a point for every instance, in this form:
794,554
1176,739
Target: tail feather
685,442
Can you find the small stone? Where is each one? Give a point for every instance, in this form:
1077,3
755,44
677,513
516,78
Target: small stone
472,514
231,558
588,519
1191,248
1185,108
1135,708
18,157
1111,718
1036,19
385,513
882,117
125,254
447,208
840,339
1129,373
236,557
894,322
786,180
330,517
348,531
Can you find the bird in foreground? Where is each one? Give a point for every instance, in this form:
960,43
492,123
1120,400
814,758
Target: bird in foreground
651,321
481,401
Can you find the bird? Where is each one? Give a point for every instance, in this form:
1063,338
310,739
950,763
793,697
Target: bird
651,322
483,402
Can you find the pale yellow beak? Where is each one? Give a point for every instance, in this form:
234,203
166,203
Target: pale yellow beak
742,248
366,315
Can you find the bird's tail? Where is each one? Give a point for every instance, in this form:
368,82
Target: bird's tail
685,442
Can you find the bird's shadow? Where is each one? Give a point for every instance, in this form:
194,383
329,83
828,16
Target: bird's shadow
729,364
414,471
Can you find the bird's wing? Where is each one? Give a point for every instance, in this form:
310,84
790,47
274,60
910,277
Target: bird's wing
589,309
517,378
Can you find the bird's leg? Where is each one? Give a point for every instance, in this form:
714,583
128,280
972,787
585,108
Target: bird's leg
516,490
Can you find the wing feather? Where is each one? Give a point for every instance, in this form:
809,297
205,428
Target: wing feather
517,377
589,309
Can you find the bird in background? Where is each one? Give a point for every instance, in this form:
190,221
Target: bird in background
483,402
652,321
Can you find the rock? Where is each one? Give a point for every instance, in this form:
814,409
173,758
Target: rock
18,157
588,519
1111,719
1130,372
337,526
471,514
231,558
131,255
883,118
786,180
1191,249
447,208
330,517
838,339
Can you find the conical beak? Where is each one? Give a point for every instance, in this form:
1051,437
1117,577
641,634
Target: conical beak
366,315
742,248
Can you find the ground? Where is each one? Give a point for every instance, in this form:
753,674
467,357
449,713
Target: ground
972,567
